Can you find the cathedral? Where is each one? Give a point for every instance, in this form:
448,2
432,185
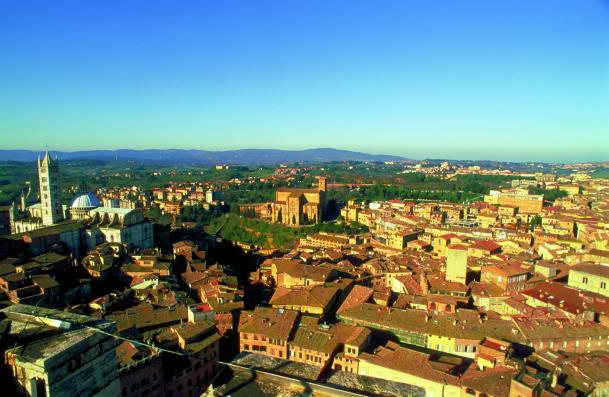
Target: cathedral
86,220
300,206
49,211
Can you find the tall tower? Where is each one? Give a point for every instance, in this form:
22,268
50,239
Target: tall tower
456,263
322,184
13,216
50,190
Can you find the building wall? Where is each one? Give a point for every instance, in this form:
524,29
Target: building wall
145,378
194,380
85,368
258,343
571,345
74,240
459,347
456,265
307,356
345,363
527,204
139,235
303,309
432,389
589,282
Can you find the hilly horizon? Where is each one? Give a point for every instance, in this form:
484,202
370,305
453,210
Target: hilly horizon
208,157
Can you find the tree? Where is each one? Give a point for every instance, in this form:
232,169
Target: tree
535,222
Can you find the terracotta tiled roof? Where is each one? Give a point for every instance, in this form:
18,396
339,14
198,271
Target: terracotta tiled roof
358,295
568,299
492,381
466,324
317,296
591,268
274,323
408,361
484,245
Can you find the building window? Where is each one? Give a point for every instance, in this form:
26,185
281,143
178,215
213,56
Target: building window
603,285
585,280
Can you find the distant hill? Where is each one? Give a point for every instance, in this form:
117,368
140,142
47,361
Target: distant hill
181,156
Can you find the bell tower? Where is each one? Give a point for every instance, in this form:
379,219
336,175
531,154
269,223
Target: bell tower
50,190
322,184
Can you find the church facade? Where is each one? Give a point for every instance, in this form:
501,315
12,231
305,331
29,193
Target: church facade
297,207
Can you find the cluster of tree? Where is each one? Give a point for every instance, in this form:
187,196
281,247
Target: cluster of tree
548,194
384,192
418,186
273,235
480,184
156,215
535,222
258,192
351,228
199,215
252,231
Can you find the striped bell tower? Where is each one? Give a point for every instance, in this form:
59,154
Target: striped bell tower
50,190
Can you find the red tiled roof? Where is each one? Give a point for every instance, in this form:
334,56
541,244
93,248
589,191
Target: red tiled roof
358,295
485,245
568,299
457,247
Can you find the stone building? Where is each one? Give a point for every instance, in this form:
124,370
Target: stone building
59,355
118,225
294,206
80,226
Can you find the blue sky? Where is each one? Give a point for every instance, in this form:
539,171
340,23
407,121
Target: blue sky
505,80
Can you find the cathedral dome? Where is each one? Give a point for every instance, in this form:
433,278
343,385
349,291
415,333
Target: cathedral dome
85,201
